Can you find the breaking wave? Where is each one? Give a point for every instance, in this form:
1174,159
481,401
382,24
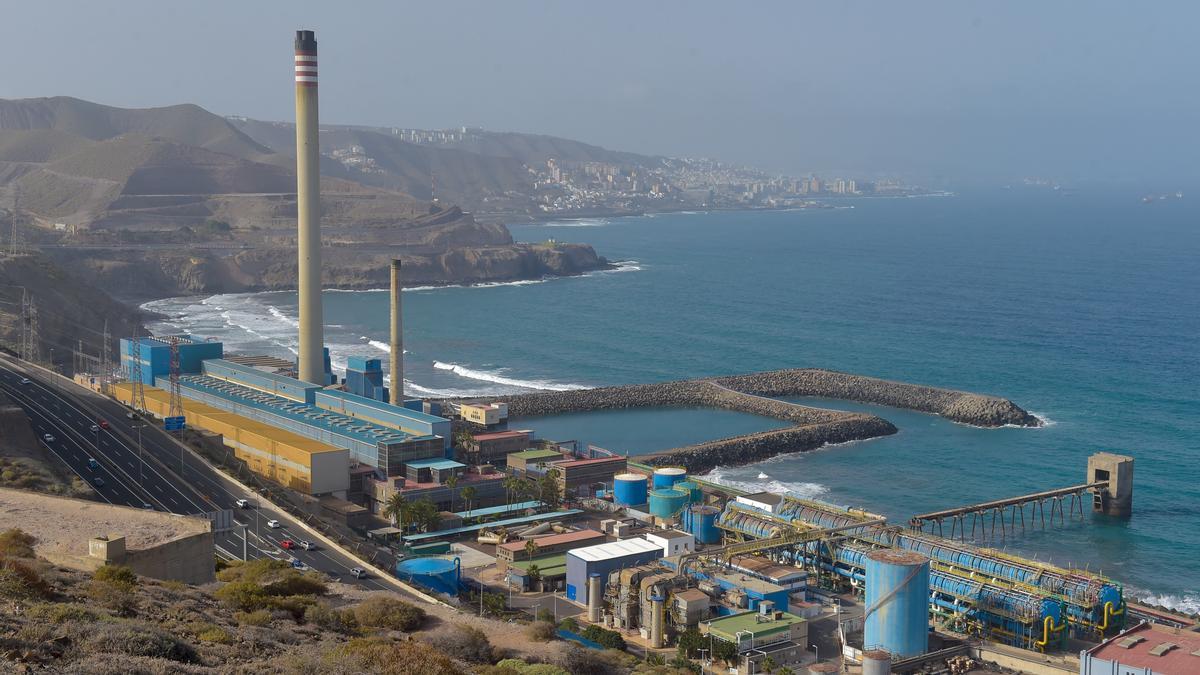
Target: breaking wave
796,489
497,378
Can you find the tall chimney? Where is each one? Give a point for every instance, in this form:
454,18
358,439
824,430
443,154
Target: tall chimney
397,390
308,207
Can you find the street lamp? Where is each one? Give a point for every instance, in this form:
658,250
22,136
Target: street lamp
816,652
141,459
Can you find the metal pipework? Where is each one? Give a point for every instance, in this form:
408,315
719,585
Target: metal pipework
397,346
308,212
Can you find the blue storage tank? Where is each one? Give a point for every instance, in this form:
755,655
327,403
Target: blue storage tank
668,502
897,600
629,489
701,522
695,494
667,477
437,573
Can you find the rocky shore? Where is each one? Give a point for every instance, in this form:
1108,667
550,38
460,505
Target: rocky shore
757,393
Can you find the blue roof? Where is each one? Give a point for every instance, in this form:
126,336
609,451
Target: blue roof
494,510
435,463
252,373
497,523
325,420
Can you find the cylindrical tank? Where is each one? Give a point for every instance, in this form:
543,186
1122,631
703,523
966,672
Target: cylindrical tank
629,489
695,494
667,502
876,662
897,600
668,476
823,668
594,597
441,574
702,523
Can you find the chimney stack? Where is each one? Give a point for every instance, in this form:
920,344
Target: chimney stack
308,208
397,347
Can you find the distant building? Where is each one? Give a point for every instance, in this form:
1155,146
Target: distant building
484,414
495,446
765,501
673,542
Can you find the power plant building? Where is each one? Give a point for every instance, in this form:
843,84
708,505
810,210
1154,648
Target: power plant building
605,558
155,356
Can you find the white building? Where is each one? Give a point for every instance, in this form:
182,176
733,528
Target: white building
672,542
764,501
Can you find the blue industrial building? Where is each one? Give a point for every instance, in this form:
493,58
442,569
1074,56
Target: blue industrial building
364,377
156,356
604,558
413,422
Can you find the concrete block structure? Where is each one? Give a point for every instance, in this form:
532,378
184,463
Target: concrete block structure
763,501
757,630
602,559
496,446
673,542
585,475
85,535
484,414
298,462
364,377
532,460
1117,498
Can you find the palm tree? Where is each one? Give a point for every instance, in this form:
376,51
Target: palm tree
468,495
466,442
535,577
452,482
531,548
396,508
510,486
768,665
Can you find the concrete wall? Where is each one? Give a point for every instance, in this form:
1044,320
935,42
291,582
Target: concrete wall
330,472
189,560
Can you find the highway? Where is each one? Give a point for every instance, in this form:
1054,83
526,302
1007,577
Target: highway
162,475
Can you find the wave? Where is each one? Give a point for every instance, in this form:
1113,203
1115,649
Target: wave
582,222
1188,603
486,376
275,312
1043,418
381,346
796,489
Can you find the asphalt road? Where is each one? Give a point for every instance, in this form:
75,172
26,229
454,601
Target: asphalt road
162,475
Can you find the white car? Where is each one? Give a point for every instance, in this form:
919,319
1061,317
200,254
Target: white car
359,573
95,428
306,545
25,380
242,503
274,524
49,438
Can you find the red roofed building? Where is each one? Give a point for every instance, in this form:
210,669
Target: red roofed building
1145,649
549,544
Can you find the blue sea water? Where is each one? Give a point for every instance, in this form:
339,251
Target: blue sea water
1084,309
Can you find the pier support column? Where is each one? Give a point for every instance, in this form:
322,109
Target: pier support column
1117,470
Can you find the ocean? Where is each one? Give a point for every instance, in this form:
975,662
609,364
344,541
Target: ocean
1084,308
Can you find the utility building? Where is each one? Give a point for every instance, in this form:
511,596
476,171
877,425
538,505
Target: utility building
602,559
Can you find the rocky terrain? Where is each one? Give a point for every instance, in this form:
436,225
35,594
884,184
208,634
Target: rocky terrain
756,394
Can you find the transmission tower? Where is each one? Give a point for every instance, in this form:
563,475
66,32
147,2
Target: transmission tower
138,398
31,354
12,250
176,397
104,371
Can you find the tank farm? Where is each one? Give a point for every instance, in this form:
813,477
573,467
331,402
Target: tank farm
972,590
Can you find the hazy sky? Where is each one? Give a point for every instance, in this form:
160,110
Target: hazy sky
1086,89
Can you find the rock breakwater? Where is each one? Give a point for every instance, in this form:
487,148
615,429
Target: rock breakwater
757,394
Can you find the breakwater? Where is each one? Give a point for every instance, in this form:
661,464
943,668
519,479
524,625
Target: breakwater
756,394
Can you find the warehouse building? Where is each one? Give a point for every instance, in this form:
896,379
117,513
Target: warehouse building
301,463
1145,649
534,461
605,558
496,446
756,635
584,476
763,501
551,543
155,356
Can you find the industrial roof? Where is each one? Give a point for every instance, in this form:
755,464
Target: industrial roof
727,627
434,463
669,534
535,454
495,524
1164,650
548,565
615,549
493,435
763,497
357,429
552,540
503,508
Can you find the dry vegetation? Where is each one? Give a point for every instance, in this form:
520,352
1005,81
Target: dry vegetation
259,617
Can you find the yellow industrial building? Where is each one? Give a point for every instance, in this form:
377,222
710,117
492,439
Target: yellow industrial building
302,464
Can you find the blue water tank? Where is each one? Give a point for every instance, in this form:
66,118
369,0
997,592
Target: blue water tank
701,521
695,494
667,477
667,503
441,574
629,489
897,601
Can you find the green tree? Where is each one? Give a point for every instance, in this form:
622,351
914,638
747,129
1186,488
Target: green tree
531,548
510,488
465,441
424,515
690,642
468,495
724,651
452,483
548,491
535,578
768,665
396,508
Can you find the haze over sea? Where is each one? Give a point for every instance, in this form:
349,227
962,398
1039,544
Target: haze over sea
1083,308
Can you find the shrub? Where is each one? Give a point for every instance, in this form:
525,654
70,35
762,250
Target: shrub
390,657
16,543
570,624
258,617
19,580
381,611
580,661
544,614
463,642
211,633
116,574
61,612
137,640
604,637
330,618
519,667
542,631
243,595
